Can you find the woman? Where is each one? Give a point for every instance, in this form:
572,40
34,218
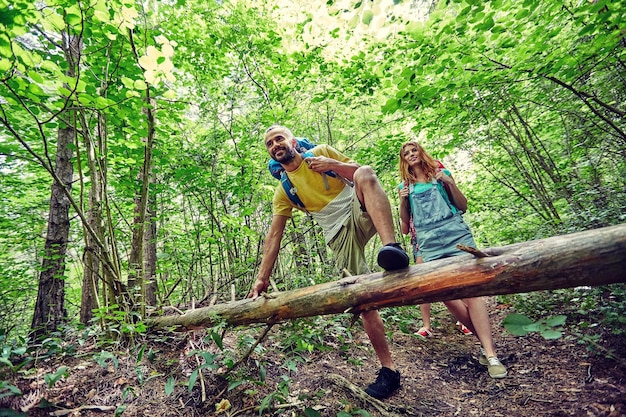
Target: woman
426,330
435,204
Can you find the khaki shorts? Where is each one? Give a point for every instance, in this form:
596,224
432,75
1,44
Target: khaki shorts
348,245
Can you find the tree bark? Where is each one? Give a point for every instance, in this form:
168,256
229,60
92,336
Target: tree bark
590,258
150,252
49,310
92,254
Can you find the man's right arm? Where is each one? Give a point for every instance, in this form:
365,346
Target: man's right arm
270,254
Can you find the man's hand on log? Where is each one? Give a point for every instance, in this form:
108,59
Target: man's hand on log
259,287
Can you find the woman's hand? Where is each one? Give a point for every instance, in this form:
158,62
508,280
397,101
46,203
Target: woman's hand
441,176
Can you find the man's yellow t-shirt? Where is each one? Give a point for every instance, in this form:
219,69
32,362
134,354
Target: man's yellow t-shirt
310,185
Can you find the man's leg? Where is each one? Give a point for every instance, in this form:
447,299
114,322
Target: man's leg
349,249
388,379
374,200
375,330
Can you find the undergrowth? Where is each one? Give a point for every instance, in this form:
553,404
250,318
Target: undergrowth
584,306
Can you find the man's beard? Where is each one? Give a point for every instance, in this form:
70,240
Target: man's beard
290,155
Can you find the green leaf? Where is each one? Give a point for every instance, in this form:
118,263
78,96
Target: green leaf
533,327
551,334
141,352
64,91
35,76
35,89
368,15
556,321
5,65
391,106
140,85
217,339
516,323
169,386
487,24
235,384
192,380
309,412
72,19
50,66
128,82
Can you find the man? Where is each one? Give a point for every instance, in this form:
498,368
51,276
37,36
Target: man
348,215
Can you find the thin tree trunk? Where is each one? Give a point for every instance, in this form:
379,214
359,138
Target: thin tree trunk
50,305
150,253
49,310
136,283
594,257
92,255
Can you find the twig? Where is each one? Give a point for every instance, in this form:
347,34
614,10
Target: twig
249,352
537,400
477,253
202,383
82,407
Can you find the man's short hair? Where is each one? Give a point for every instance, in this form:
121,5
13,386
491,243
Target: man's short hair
279,129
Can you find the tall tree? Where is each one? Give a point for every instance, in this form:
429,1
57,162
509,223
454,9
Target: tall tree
50,311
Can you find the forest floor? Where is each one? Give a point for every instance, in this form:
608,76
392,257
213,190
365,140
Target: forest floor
441,376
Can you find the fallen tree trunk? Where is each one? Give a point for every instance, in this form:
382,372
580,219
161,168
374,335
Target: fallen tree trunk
590,258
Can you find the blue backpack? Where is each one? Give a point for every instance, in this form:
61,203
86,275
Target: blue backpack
304,147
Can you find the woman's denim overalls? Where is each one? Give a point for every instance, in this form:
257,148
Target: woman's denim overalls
438,229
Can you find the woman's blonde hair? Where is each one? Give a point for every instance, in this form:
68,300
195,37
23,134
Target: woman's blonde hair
428,164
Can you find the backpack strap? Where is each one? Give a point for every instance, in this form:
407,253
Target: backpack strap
290,190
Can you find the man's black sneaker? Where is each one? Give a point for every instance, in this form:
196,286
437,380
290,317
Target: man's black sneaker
392,257
386,383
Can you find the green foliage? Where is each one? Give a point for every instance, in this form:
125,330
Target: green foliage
207,361
12,351
306,335
103,357
8,390
279,396
523,101
169,386
52,379
520,325
586,306
119,321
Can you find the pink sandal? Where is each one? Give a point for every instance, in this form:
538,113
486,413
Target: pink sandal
424,332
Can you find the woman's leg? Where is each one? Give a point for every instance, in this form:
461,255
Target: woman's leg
425,309
472,312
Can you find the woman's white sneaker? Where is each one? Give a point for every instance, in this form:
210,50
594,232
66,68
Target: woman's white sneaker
495,368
